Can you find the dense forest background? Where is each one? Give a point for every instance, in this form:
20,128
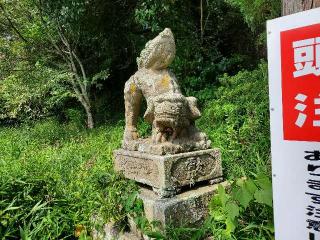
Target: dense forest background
78,54
63,66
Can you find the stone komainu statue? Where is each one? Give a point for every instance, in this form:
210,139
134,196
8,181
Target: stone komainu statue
171,114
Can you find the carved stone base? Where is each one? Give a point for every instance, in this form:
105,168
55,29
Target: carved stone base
167,174
188,209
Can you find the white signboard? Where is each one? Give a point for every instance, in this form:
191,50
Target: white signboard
294,85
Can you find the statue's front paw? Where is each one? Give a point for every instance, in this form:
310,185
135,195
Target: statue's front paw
160,138
131,134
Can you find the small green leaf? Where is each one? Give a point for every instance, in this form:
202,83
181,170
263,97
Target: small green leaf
155,235
269,227
232,210
219,215
230,226
222,195
250,186
264,197
263,181
215,202
104,74
130,201
4,222
243,196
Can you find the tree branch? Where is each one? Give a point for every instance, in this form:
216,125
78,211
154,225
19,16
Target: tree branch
81,67
201,20
71,57
11,24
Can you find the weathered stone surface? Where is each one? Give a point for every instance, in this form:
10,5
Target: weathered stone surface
176,154
171,114
134,228
112,232
169,172
120,236
129,236
186,209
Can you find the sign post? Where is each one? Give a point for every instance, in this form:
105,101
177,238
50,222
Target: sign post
294,88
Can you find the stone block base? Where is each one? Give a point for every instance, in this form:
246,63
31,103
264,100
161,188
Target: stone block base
167,174
188,209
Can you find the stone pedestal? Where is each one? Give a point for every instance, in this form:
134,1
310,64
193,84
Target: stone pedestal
167,174
177,188
189,208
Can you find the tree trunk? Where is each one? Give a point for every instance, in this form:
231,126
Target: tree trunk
294,6
86,105
90,123
79,81
201,20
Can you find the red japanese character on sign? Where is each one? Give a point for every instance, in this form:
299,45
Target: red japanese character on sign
300,60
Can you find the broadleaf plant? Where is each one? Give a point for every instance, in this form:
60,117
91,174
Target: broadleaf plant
244,209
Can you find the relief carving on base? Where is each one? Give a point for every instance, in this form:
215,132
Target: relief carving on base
191,169
145,169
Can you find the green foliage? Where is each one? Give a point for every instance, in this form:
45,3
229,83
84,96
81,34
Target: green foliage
33,94
171,232
201,55
223,44
144,128
244,211
237,121
56,181
148,13
75,117
36,32
256,12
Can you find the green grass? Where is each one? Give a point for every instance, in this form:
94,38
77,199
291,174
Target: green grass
55,177
237,122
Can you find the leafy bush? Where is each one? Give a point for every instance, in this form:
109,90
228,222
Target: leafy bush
244,212
237,122
75,116
257,12
32,95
